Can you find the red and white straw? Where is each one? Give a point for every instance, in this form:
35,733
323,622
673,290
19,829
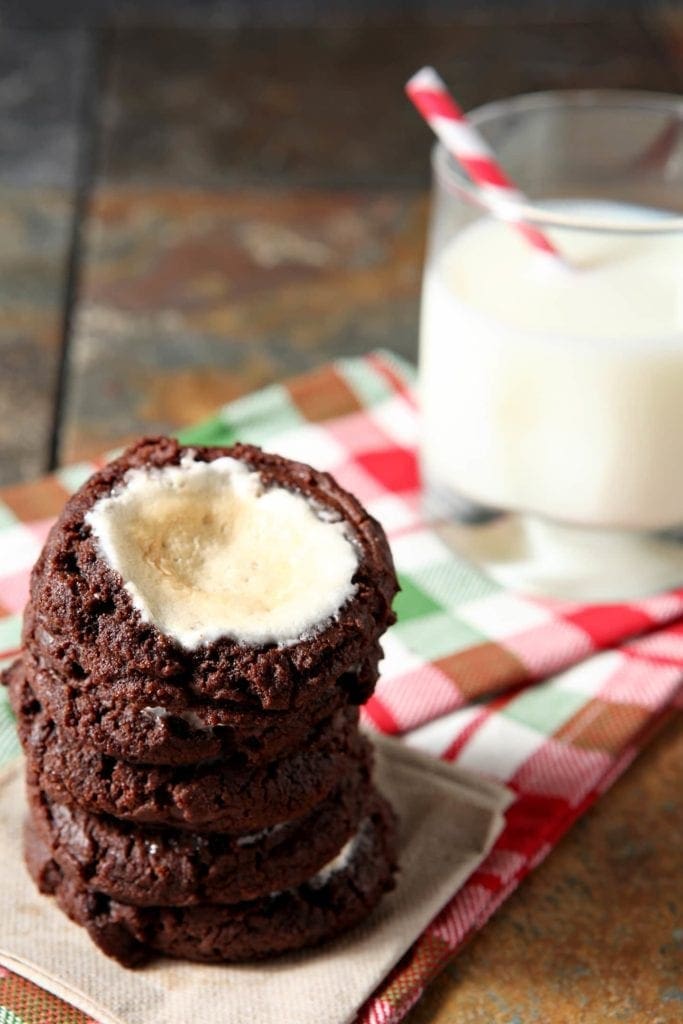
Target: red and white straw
429,93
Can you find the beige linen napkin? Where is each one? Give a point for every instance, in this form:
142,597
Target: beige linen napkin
449,820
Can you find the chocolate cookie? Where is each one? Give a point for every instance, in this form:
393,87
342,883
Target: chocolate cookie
167,867
336,898
212,796
85,619
157,734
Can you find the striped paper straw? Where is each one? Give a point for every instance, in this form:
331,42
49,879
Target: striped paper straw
429,93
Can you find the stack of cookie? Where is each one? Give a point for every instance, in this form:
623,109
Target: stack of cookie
203,625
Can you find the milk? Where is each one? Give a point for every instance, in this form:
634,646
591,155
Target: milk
557,391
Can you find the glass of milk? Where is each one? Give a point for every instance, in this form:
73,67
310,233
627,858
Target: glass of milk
552,396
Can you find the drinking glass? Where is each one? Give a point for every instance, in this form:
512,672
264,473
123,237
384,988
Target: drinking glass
552,396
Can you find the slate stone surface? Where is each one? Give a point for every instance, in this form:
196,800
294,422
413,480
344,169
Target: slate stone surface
324,105
43,78
191,298
43,75
34,234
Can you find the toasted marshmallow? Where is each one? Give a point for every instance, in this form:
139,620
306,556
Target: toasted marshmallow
206,551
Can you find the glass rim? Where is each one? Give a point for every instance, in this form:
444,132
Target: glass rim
449,172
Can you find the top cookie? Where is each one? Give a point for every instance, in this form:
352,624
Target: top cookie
230,573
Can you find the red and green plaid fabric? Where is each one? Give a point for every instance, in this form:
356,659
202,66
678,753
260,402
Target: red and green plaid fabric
554,699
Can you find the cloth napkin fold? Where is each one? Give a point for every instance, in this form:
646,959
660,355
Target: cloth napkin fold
552,698
448,823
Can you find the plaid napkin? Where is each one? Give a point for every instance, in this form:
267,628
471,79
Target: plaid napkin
458,665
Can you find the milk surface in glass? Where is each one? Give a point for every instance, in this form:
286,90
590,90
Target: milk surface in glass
557,391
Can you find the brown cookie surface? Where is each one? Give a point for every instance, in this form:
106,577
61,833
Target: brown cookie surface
155,733
214,796
328,903
168,867
84,620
